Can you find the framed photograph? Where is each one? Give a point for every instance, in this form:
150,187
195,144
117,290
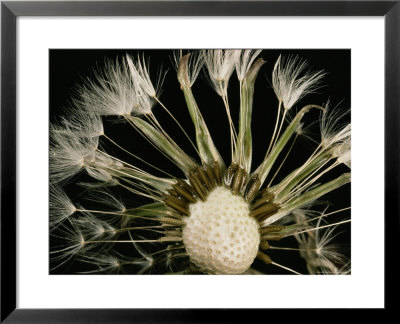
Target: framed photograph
180,155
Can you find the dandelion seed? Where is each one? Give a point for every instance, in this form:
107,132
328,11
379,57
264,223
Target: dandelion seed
73,243
343,152
245,61
111,92
93,227
69,153
107,198
145,262
195,64
103,262
291,81
333,129
81,123
141,77
60,206
220,65
321,255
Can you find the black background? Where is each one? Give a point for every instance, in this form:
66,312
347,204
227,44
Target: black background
68,68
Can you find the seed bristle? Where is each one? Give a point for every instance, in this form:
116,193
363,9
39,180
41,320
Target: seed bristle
184,193
237,180
253,186
204,179
264,258
170,239
209,172
243,185
176,204
264,245
265,198
171,221
264,209
217,172
196,184
230,173
272,228
272,237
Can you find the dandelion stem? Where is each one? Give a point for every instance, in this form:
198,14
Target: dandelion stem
283,189
287,248
121,241
101,212
179,125
231,126
328,214
323,215
136,191
286,268
283,162
135,169
280,128
276,126
135,156
169,147
319,227
150,191
304,184
136,228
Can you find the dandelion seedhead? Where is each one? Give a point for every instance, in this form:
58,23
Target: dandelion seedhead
211,211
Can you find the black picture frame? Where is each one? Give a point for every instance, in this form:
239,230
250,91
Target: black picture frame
11,10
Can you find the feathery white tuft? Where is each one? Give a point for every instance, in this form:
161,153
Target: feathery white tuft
329,254
333,129
195,63
141,76
341,136
146,91
343,152
99,174
112,91
99,166
244,62
291,81
68,153
321,254
145,262
108,199
60,206
81,122
73,242
103,262
343,270
220,65
93,228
